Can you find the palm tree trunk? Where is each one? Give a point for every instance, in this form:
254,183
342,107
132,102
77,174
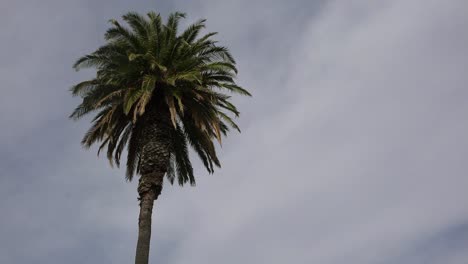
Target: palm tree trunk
155,145
149,187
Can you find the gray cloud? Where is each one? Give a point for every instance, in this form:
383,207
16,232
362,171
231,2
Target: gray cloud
353,146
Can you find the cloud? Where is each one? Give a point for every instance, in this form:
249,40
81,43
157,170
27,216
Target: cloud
363,163
353,146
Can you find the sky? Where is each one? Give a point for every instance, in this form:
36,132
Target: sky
354,146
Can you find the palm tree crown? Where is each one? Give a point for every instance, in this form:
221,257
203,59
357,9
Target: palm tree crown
149,69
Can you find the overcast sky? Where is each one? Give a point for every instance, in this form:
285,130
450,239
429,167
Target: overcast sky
354,146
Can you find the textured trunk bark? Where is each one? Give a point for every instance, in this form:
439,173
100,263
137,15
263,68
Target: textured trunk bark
150,187
155,149
144,228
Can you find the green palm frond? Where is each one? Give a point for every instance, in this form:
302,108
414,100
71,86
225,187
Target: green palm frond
151,63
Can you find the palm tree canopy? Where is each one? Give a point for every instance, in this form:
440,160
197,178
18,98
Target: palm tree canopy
151,61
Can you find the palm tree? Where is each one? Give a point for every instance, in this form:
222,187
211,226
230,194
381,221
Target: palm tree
156,92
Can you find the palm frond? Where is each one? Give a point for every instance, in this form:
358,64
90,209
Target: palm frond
147,68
